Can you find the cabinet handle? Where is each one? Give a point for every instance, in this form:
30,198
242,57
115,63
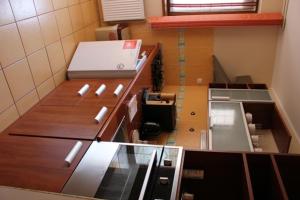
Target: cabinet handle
101,114
220,98
118,90
74,151
83,90
100,90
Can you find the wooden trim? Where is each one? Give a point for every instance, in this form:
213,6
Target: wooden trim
247,176
105,133
216,20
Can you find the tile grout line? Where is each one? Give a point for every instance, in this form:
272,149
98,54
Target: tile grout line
14,100
44,47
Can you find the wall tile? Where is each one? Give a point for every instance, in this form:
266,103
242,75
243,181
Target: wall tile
56,56
76,17
23,9
49,28
60,77
69,47
6,14
80,36
43,6
26,102
31,34
46,87
19,79
86,12
94,10
11,48
6,98
90,33
8,117
72,2
63,21
39,66
57,4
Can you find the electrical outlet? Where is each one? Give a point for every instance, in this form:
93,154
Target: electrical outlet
199,81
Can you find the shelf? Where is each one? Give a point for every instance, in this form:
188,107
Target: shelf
265,181
224,176
216,20
289,166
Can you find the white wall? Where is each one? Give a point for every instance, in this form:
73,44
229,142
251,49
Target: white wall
247,51
153,8
286,78
270,5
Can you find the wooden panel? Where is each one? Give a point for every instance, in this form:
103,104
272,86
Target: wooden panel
65,94
280,132
60,122
107,97
140,81
224,175
216,20
36,163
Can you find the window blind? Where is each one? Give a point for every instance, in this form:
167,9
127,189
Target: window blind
212,6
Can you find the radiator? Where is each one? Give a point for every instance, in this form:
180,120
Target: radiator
120,10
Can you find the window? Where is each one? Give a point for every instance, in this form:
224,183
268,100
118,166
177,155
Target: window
184,7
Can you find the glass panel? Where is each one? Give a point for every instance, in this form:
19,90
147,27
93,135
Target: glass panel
126,173
228,130
242,94
259,94
163,191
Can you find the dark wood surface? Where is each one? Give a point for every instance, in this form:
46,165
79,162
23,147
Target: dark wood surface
65,114
288,167
224,175
280,132
269,117
66,93
141,80
262,113
60,122
265,179
240,175
37,163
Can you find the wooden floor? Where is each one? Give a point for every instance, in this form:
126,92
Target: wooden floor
188,128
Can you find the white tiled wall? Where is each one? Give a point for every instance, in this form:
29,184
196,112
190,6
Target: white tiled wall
37,41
